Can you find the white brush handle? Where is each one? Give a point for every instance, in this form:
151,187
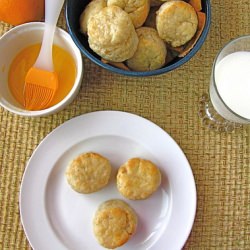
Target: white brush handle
52,12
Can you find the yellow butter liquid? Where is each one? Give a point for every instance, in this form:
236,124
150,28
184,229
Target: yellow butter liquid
64,65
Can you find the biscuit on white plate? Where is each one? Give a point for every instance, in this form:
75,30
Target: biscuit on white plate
137,10
176,22
151,51
111,34
90,10
138,178
114,223
88,173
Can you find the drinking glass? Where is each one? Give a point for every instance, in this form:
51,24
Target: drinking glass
227,106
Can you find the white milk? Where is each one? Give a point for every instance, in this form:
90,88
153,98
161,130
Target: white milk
232,77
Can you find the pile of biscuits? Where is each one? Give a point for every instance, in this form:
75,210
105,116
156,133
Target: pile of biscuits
115,221
141,35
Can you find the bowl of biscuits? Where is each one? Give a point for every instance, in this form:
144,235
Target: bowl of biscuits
138,38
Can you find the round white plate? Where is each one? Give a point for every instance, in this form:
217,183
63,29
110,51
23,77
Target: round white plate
56,217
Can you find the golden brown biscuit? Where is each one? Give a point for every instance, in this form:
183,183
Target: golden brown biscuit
176,22
151,51
138,178
114,223
88,173
112,34
137,10
91,9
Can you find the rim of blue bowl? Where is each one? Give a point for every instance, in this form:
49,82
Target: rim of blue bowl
160,71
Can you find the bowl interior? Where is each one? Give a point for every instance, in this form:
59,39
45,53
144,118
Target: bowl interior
73,12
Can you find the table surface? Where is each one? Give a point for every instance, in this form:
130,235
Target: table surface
220,162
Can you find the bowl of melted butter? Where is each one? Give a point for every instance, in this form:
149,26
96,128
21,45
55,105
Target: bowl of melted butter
19,48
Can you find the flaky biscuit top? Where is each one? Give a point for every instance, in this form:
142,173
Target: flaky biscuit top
91,9
114,223
176,22
138,179
110,26
88,172
137,9
151,51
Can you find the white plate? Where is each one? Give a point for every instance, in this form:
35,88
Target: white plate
56,217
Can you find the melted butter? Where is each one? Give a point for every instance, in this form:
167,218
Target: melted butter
64,65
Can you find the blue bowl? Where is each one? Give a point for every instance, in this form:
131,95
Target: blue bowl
73,11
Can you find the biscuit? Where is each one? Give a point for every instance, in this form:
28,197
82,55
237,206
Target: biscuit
88,173
151,51
137,179
137,10
176,22
114,223
111,34
91,9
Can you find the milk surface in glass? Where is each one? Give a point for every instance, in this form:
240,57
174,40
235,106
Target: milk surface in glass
230,87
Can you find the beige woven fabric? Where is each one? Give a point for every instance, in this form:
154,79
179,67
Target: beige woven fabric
220,162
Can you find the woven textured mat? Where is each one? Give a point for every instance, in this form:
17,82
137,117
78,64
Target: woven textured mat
220,162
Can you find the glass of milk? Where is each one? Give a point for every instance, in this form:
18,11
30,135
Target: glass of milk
228,104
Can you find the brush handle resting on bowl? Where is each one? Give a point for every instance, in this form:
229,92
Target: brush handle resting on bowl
52,12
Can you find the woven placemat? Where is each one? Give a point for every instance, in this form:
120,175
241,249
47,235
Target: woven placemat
220,162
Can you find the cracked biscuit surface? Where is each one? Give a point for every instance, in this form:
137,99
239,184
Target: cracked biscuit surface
91,9
137,9
176,22
138,178
111,34
151,51
114,223
88,173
